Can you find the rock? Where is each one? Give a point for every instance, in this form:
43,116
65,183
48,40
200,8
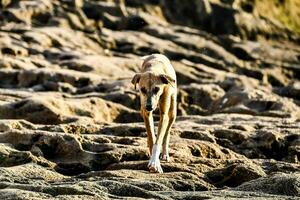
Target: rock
57,110
95,10
28,172
234,175
70,125
14,50
11,157
292,145
210,94
292,90
243,101
271,142
235,136
207,13
74,3
22,194
5,3
278,183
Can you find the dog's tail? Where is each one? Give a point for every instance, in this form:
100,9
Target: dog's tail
155,55
151,56
145,57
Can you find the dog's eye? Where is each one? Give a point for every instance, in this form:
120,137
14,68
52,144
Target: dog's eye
156,89
143,90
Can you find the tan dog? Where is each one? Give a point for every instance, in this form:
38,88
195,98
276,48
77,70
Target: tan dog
157,85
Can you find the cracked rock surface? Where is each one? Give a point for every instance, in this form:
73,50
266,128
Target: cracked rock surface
70,126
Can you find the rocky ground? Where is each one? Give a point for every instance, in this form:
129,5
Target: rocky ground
70,126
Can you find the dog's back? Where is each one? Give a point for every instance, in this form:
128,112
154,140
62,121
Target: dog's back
159,64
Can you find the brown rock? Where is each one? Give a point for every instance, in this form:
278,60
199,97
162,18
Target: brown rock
235,174
70,124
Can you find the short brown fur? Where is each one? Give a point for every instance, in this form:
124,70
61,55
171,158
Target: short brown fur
157,85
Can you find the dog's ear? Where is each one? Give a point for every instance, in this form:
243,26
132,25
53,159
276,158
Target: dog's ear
167,80
136,79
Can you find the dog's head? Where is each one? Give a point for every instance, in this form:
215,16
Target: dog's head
151,87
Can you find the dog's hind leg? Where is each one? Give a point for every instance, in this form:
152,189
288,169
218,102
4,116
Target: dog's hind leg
149,124
172,116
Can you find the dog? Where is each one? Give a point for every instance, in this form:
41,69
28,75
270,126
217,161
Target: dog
158,89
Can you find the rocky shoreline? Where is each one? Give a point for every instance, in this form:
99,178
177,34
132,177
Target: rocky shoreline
70,126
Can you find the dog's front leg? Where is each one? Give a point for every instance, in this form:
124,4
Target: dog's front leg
172,116
149,124
154,163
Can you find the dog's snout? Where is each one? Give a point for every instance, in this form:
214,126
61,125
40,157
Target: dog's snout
149,107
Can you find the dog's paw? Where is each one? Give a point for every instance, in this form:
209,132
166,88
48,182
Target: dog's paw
165,157
154,166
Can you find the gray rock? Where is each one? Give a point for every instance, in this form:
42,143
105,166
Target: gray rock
279,183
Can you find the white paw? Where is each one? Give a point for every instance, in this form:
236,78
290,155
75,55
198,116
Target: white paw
154,163
154,166
165,157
